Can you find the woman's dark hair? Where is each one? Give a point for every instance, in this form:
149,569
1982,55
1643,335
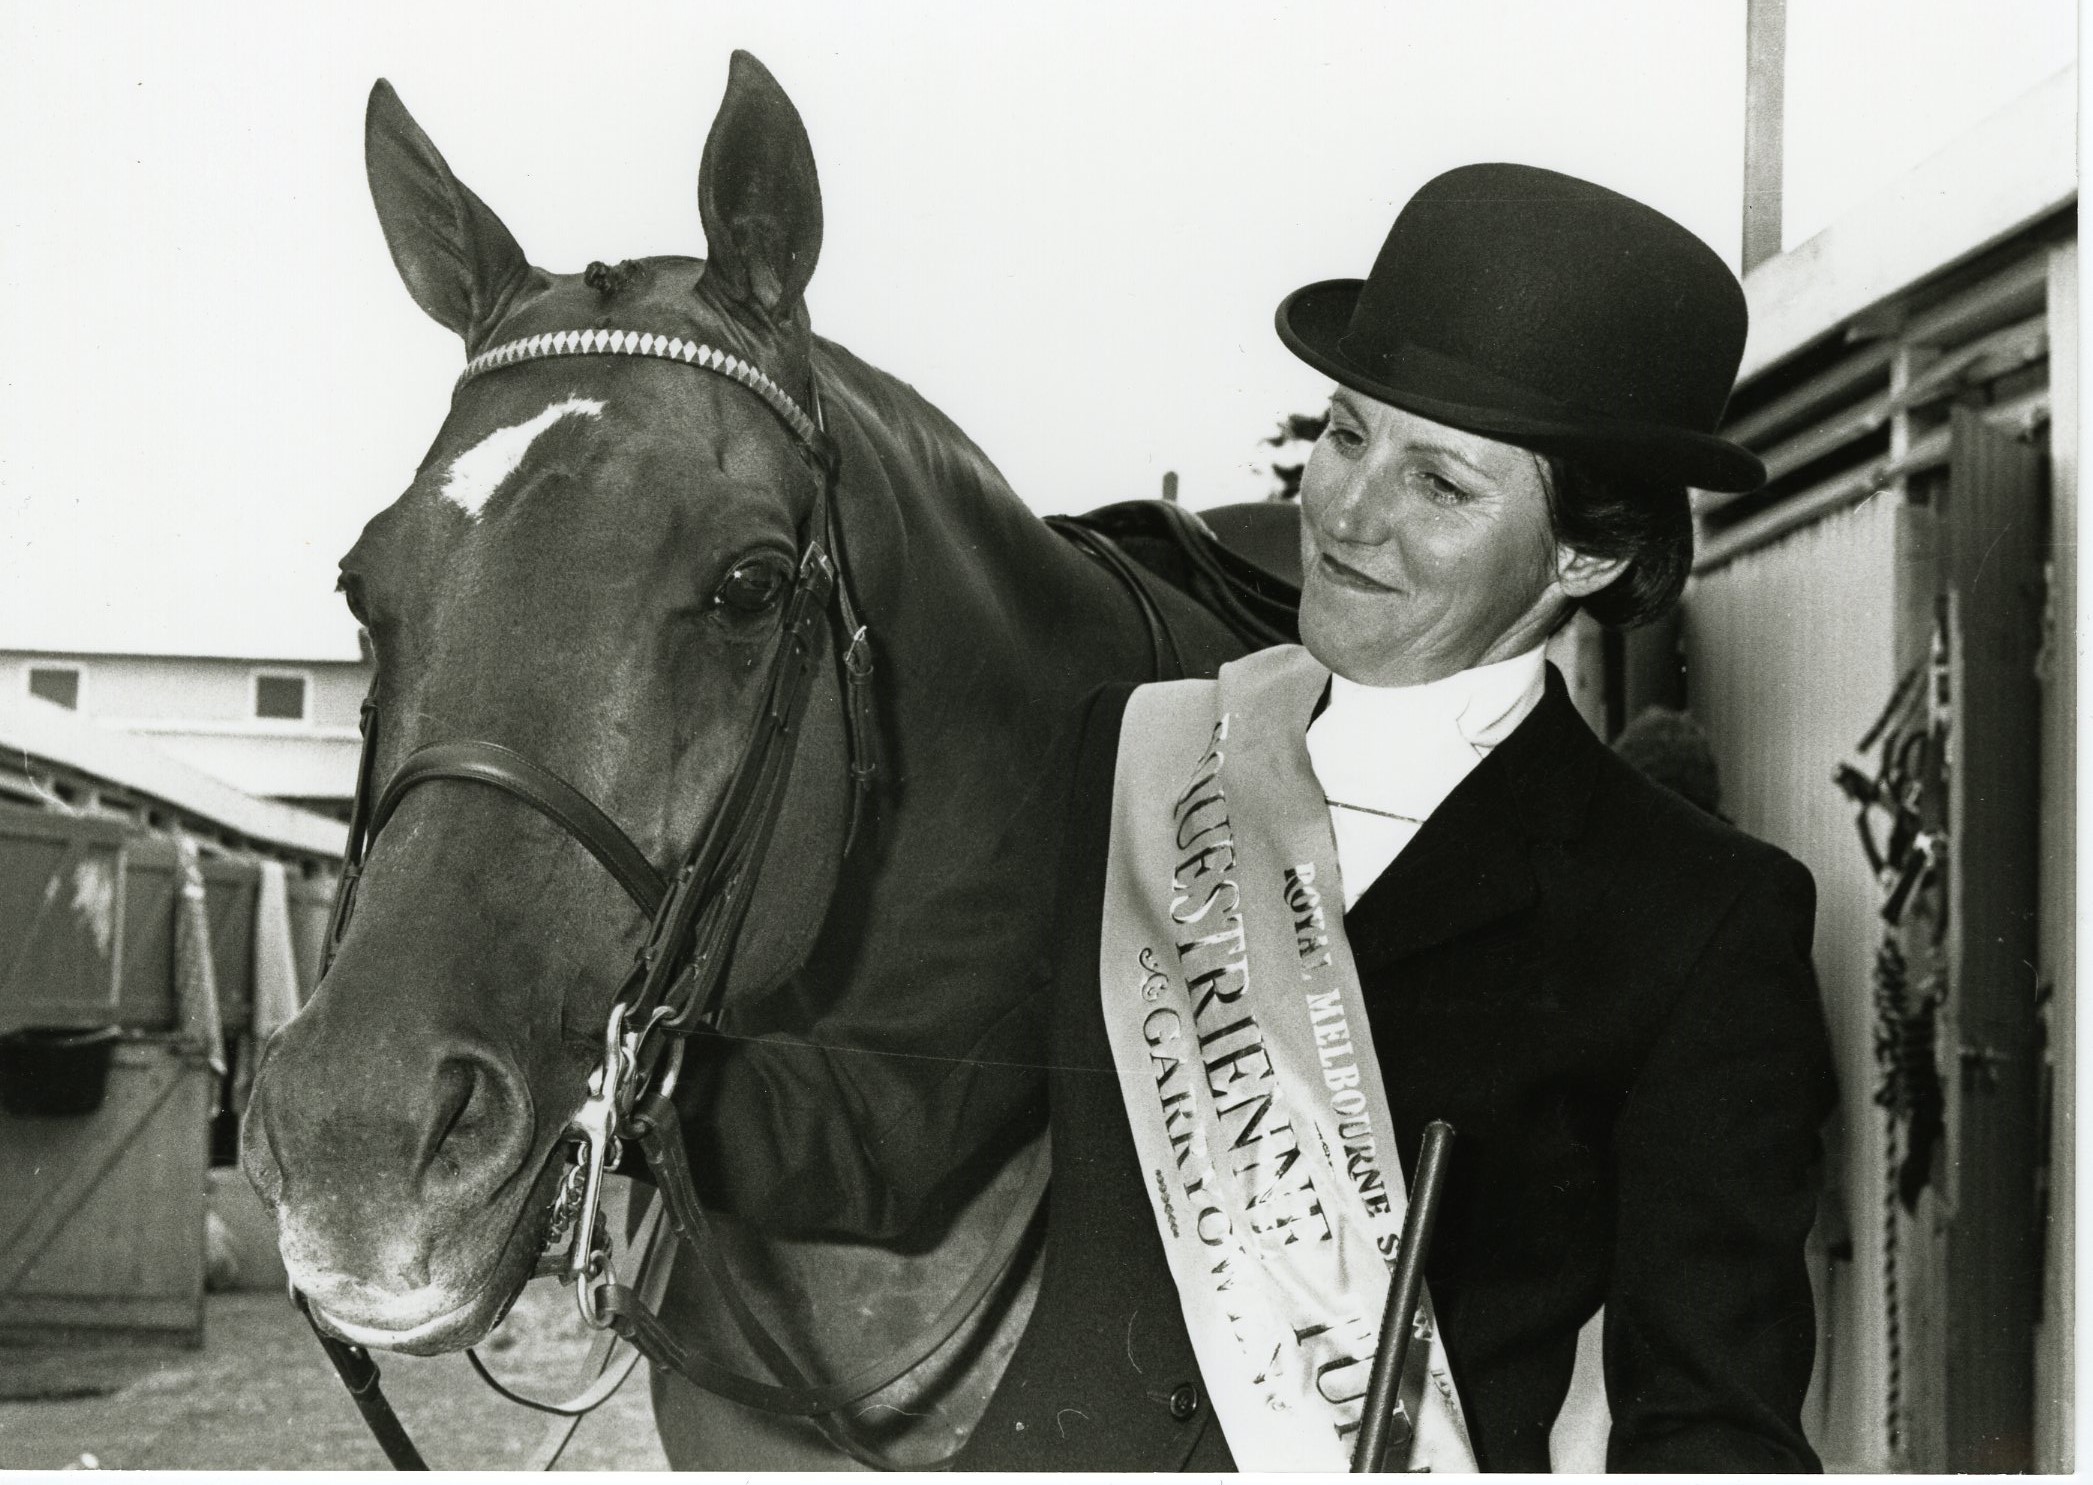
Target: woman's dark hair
1649,522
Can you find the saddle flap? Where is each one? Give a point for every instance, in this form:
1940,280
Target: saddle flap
1240,580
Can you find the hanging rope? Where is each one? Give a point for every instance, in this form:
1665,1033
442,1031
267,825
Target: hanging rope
1909,1083
1910,735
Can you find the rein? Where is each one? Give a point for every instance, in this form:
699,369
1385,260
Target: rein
679,973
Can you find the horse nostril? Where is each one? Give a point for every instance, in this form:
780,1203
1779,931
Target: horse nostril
479,1129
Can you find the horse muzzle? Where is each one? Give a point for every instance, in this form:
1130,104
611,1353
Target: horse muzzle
424,1289
409,1208
426,1322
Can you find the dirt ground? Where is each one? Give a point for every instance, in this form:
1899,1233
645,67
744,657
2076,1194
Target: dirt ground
260,1395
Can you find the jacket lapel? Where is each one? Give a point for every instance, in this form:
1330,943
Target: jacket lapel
1472,862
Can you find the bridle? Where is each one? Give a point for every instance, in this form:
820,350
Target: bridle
695,916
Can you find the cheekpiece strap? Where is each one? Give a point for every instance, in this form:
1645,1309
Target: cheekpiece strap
660,347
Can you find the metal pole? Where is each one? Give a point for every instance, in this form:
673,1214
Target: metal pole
1765,104
1403,1292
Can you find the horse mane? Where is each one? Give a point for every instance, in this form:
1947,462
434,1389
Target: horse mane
928,438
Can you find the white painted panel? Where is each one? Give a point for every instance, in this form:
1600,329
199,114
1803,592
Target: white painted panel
1789,657
2016,166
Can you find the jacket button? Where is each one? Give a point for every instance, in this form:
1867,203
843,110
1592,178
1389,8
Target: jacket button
1184,1401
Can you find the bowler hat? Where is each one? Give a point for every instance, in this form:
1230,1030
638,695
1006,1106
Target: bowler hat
1547,312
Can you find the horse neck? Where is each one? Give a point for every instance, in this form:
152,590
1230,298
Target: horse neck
991,629
989,632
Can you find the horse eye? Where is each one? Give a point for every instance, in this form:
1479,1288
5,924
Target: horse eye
751,588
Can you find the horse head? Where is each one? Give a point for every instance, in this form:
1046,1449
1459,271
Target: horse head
588,569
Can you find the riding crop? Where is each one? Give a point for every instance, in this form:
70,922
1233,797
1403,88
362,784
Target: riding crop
1404,1290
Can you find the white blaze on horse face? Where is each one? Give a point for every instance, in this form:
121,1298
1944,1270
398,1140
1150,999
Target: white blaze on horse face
480,471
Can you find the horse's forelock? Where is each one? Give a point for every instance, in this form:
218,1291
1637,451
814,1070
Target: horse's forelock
610,280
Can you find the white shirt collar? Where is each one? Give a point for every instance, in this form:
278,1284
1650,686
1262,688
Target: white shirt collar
1477,700
1404,748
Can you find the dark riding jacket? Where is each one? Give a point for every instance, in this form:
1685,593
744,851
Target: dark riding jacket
1609,995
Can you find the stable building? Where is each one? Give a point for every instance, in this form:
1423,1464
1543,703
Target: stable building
1882,647
156,924
277,726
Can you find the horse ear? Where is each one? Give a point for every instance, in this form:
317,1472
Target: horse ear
758,196
458,260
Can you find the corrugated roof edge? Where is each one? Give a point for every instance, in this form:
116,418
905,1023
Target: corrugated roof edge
40,730
309,655
2011,169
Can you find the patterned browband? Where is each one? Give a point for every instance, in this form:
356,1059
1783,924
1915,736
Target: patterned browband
642,343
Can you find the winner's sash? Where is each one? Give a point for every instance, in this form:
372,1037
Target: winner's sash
1236,1022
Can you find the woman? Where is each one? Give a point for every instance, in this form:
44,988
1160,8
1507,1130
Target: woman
1390,876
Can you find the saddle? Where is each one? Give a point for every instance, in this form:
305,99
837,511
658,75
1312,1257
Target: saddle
1248,579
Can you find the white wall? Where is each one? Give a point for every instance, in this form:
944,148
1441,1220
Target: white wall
1874,89
1790,650
202,709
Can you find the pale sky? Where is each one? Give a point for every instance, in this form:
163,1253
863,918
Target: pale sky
1066,224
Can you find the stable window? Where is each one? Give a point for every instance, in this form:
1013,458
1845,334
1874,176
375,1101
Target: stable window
279,698
58,684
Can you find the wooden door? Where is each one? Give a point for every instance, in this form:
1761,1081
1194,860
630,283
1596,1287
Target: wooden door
1991,546
102,1215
